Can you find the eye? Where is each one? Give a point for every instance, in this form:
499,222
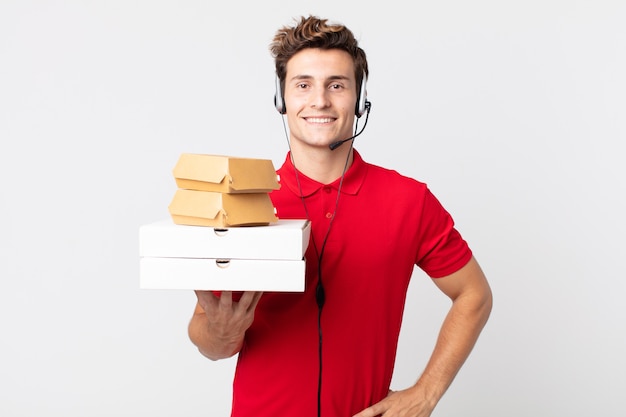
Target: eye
336,87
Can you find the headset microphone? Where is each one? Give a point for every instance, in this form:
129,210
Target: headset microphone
337,144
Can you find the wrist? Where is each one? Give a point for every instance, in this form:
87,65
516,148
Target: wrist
427,393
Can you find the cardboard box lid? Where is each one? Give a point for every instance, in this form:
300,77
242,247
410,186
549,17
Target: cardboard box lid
283,240
207,208
225,174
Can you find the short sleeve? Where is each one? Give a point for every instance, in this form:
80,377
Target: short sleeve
442,250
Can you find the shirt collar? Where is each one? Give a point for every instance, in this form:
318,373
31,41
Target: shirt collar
352,181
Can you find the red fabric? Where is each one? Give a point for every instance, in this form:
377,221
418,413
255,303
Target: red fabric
385,224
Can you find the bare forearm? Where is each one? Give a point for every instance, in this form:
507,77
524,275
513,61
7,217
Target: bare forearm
457,337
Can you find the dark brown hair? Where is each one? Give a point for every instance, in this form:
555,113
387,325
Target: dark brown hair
313,32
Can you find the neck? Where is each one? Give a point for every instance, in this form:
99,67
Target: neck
320,163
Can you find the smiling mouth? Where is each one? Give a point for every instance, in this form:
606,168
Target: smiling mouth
319,120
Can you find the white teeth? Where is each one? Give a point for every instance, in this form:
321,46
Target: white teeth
319,120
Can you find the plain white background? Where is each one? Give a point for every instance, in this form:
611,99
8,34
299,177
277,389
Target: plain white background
512,111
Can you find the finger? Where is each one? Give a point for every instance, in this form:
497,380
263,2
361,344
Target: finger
249,300
375,410
200,294
255,301
226,299
207,300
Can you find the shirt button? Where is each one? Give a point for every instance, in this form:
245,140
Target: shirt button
329,215
327,189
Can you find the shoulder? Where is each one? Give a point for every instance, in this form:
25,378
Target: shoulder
393,180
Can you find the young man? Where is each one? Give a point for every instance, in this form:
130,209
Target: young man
330,351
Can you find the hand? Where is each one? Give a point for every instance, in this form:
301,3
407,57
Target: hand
411,402
226,321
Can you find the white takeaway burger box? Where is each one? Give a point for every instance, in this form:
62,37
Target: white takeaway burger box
252,258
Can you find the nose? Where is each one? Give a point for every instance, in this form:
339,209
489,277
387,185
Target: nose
319,98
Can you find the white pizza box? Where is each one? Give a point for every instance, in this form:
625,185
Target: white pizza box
222,274
283,240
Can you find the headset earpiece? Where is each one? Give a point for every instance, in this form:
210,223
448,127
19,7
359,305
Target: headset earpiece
279,100
361,102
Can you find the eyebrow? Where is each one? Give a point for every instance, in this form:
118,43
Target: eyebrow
310,77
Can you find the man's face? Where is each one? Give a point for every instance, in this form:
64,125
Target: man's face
320,96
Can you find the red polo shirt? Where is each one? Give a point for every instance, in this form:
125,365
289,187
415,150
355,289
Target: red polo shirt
385,224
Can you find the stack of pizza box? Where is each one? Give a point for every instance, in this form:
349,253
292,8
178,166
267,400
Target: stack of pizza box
223,233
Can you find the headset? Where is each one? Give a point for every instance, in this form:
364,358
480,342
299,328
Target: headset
361,107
